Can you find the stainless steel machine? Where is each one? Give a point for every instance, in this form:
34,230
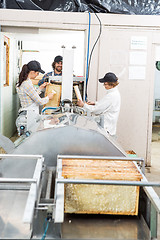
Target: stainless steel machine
32,191
31,185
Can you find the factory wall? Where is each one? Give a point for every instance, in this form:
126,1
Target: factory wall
129,60
127,48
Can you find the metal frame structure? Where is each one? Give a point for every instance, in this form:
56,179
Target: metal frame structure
75,79
152,210
55,208
30,184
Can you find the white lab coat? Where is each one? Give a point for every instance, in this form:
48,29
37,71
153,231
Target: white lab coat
109,106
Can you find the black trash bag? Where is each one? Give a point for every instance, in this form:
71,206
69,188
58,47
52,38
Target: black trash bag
138,7
64,6
11,4
19,4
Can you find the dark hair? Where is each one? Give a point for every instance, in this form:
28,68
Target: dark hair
53,65
23,75
57,59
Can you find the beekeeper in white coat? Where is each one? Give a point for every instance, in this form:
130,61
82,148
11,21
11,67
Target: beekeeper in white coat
109,105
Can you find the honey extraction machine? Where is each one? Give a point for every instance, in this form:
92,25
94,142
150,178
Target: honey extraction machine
35,192
66,178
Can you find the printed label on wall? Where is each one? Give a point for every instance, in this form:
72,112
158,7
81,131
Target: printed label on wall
138,42
137,73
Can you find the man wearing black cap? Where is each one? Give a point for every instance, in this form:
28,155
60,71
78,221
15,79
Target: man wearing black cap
57,69
109,105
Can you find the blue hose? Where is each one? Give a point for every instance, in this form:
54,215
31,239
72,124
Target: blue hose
88,53
50,108
45,226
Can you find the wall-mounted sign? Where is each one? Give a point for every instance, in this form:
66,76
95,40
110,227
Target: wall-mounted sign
138,58
138,42
137,73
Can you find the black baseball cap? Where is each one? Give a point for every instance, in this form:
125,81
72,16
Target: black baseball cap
109,77
35,66
58,59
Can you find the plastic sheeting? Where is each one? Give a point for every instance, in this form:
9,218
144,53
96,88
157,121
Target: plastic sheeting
138,7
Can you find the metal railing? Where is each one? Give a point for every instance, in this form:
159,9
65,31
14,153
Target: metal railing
28,184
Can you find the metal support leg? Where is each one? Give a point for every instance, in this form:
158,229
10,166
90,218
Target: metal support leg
58,230
153,222
148,211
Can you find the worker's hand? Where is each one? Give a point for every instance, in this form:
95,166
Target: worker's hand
50,95
90,103
44,85
80,103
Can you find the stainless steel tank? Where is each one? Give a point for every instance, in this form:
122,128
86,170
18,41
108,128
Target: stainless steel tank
63,133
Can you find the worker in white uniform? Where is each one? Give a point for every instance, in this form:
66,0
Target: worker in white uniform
109,105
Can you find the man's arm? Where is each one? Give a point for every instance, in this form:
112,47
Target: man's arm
42,80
